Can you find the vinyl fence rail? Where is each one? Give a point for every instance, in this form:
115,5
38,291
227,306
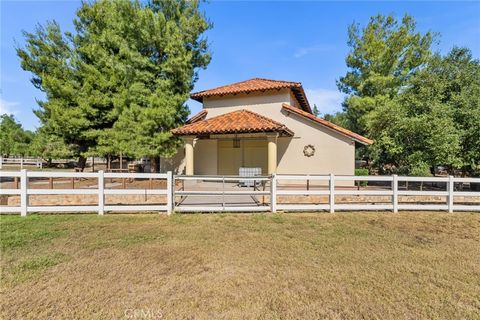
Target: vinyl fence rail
100,191
21,161
331,187
394,192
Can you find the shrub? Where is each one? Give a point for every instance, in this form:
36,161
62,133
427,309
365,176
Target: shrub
362,172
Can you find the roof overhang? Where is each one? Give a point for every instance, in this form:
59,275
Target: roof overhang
256,85
327,124
236,122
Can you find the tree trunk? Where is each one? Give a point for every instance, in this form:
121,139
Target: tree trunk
154,164
82,161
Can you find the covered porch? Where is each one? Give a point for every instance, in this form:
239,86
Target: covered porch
222,145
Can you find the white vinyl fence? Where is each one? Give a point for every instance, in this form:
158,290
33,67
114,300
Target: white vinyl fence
21,161
99,190
393,192
266,187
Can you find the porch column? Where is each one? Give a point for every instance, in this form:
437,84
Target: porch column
189,155
272,153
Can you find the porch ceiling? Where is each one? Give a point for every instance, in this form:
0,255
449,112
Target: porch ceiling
236,122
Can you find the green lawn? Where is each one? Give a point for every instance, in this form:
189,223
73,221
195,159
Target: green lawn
232,266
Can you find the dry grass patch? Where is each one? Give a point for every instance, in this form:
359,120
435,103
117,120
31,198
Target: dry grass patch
262,266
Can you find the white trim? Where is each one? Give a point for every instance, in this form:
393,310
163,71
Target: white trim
395,193
355,206
101,192
450,192
422,193
332,193
220,192
302,192
134,208
301,207
135,191
273,193
62,208
10,209
365,192
24,192
10,191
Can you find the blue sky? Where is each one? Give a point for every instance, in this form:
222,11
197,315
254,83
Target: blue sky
298,41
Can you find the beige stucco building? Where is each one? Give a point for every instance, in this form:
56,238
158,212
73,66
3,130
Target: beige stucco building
263,124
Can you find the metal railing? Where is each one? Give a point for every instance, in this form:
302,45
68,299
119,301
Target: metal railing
222,192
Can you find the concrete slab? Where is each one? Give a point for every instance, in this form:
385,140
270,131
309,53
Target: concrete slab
216,200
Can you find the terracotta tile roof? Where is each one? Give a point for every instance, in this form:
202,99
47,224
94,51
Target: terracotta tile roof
256,84
241,121
199,116
328,124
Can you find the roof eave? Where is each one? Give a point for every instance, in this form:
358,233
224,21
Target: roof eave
364,141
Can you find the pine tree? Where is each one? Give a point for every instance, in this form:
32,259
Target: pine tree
120,82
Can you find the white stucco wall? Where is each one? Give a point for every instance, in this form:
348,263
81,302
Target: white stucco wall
205,157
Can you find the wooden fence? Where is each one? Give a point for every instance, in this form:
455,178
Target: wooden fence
272,189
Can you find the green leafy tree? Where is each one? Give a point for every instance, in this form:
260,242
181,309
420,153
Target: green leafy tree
448,89
316,112
49,146
14,140
421,109
409,140
384,55
120,82
338,118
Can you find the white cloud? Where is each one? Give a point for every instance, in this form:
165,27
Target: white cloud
300,52
9,107
327,100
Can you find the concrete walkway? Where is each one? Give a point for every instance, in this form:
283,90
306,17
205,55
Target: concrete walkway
216,200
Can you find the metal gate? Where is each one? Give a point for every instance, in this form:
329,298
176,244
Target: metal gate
222,193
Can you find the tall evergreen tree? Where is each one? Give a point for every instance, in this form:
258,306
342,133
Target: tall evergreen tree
120,82
383,56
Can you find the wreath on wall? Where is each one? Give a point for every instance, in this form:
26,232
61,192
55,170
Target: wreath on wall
308,150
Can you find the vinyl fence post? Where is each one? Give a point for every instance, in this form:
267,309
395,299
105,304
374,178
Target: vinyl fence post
23,193
170,188
273,193
332,193
101,192
451,184
395,193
